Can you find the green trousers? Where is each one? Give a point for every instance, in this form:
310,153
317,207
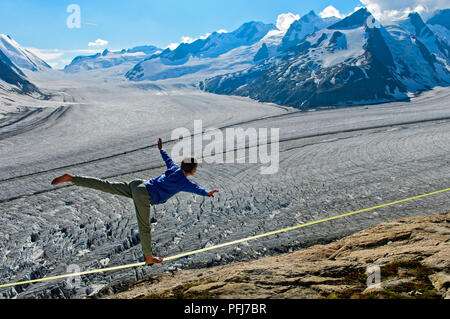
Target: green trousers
135,190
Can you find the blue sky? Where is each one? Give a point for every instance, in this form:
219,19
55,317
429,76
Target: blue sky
41,24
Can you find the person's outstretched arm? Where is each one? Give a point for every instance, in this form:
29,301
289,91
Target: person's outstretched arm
169,162
197,189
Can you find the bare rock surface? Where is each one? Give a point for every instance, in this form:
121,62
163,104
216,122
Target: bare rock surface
413,255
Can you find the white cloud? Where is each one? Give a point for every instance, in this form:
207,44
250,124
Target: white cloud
187,39
203,37
57,58
98,43
331,11
356,9
60,64
46,54
172,46
391,10
285,20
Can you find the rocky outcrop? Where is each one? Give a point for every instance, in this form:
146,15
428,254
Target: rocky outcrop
411,257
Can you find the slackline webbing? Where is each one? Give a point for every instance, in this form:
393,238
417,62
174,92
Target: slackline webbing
219,245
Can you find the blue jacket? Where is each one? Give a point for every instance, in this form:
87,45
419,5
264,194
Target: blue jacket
171,182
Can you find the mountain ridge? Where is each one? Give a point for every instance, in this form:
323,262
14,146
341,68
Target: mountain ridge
354,61
12,75
21,57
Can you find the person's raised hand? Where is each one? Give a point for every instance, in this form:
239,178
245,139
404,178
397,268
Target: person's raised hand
211,193
160,144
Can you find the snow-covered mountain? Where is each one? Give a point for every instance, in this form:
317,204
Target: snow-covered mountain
439,23
21,57
124,59
316,62
354,61
303,27
440,17
13,60
219,52
12,78
422,59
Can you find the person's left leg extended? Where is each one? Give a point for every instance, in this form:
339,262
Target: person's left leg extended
115,188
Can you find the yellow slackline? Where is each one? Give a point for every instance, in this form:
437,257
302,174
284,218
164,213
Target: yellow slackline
220,245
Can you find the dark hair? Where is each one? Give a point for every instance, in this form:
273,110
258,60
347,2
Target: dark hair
189,164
